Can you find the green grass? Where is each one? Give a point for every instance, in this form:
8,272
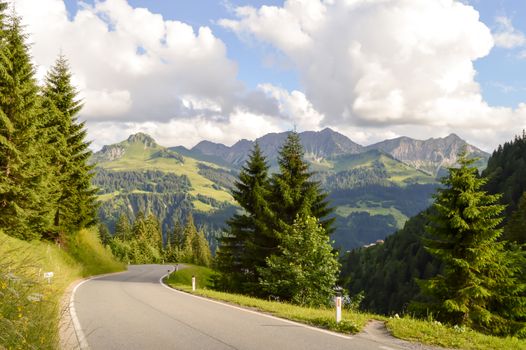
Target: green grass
93,257
30,307
184,276
406,328
400,218
352,322
434,333
143,161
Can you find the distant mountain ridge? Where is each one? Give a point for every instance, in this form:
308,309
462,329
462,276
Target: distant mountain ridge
429,155
373,189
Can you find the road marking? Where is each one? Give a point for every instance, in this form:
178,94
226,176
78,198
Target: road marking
385,348
255,312
81,338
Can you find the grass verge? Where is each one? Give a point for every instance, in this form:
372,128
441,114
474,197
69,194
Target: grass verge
29,305
406,328
435,333
352,322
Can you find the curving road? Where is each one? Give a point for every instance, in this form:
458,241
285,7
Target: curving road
133,310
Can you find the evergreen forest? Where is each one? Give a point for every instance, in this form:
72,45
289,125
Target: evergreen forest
471,240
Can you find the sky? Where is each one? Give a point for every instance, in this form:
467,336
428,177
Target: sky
185,70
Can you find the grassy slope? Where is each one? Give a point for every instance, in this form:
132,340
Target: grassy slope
138,157
28,323
400,218
426,332
352,322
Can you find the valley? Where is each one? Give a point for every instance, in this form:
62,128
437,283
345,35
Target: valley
373,192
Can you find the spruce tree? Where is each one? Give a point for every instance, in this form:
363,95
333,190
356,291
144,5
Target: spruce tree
293,193
248,240
25,180
201,250
123,229
76,207
176,237
479,286
186,254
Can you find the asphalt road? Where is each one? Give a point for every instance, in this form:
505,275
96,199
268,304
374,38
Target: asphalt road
132,310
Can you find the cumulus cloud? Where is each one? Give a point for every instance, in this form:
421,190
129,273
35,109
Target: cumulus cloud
133,66
402,65
506,35
187,131
372,69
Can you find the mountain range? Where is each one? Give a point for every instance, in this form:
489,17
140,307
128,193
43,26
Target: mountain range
374,189
429,155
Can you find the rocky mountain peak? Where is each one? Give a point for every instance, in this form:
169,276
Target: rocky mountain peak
142,138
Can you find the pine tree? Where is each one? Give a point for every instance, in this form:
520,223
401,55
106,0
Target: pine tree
248,240
176,238
76,207
479,286
201,250
293,193
25,180
153,231
123,229
186,254
306,268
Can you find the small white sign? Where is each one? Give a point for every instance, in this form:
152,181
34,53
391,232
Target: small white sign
48,274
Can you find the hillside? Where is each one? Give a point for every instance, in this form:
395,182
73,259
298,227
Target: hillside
389,290
373,192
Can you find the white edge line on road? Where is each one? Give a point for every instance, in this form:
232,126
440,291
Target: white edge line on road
81,338
254,312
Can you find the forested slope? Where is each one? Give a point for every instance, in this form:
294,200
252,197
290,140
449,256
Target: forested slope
387,272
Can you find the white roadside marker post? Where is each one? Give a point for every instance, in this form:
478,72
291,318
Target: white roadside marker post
193,283
338,309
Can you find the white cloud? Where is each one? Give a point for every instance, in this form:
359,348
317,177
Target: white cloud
400,65
188,131
133,64
506,35
137,71
370,68
296,107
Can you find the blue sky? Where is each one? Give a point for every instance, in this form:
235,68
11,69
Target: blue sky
501,74
251,57
231,69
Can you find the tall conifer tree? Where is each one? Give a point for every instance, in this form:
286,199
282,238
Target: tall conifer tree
248,239
76,207
480,285
25,182
293,193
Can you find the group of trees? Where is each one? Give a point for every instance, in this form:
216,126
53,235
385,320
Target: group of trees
453,261
187,244
132,180
279,245
45,182
142,241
